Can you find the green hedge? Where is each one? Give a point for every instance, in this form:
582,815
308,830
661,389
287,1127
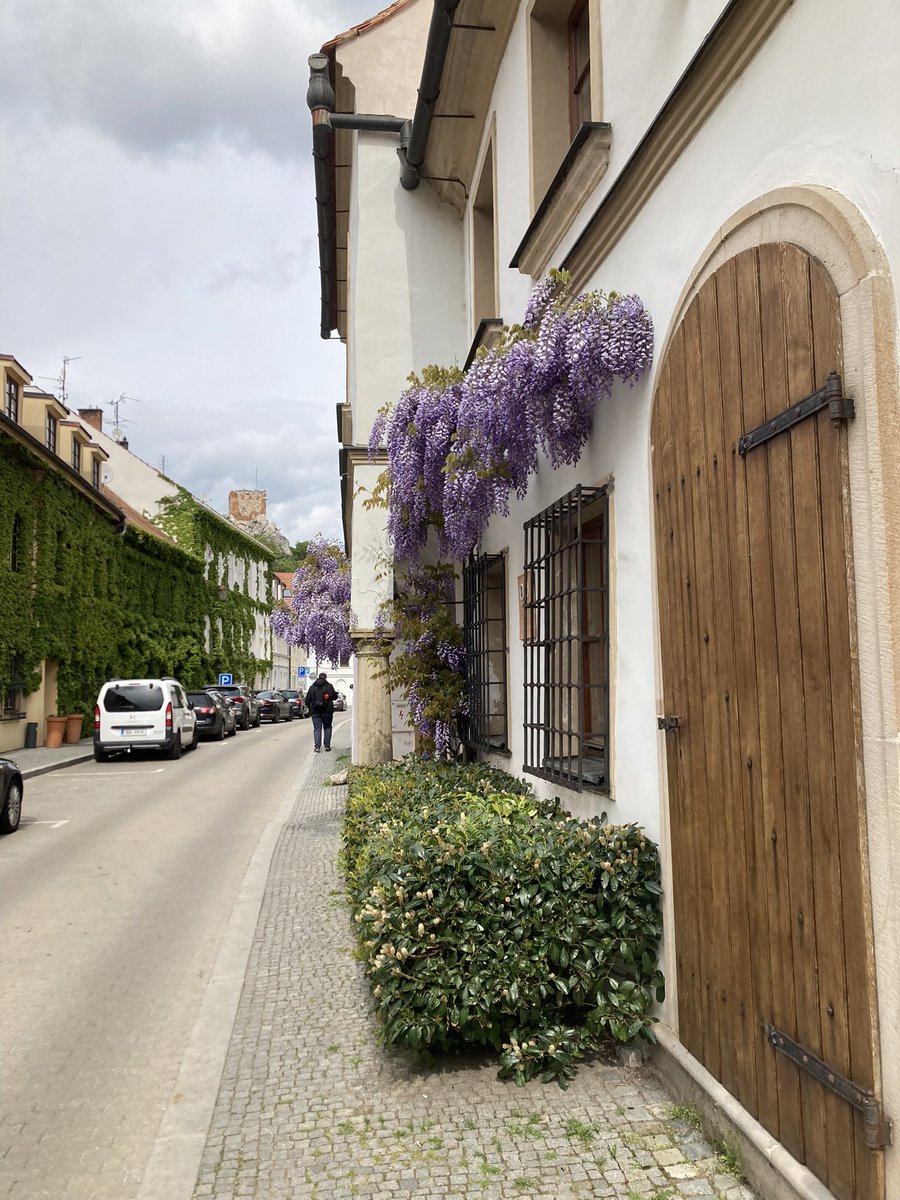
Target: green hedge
486,916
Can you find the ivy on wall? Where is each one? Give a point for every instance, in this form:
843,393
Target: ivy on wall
103,604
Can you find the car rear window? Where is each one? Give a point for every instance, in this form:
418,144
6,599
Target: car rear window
291,695
201,698
228,691
133,697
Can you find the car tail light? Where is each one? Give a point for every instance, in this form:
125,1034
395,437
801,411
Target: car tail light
237,699
96,718
204,710
169,715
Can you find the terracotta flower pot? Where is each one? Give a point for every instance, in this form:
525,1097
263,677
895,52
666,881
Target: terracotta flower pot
56,727
74,723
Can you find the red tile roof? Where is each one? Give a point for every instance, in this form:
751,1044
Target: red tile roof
133,517
365,26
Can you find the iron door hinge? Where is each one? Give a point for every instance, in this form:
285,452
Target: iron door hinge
878,1127
840,408
667,724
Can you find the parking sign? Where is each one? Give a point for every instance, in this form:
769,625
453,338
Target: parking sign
301,671
225,680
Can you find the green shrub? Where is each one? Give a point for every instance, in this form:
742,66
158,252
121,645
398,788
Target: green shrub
489,917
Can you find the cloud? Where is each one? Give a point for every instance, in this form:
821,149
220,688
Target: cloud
164,76
160,230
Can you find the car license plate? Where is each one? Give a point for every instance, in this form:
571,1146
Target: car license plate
134,731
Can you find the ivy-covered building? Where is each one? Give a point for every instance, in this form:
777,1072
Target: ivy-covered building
91,587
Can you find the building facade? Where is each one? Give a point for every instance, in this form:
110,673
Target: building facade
697,626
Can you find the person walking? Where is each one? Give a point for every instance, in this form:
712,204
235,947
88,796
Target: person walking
320,702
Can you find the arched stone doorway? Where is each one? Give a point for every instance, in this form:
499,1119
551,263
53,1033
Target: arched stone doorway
766,809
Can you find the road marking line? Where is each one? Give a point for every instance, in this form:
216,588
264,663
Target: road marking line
52,824
110,774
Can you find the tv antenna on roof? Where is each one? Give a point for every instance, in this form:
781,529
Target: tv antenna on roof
60,379
117,432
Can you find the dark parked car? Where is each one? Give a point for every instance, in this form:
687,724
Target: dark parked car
298,702
216,718
274,706
246,707
11,789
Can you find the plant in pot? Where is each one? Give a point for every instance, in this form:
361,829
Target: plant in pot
74,724
56,728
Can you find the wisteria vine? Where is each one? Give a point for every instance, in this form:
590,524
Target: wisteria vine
318,615
458,443
428,660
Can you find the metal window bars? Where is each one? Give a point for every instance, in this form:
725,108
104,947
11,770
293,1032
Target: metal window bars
484,725
566,641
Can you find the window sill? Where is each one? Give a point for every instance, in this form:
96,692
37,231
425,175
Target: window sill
9,715
593,781
581,171
486,336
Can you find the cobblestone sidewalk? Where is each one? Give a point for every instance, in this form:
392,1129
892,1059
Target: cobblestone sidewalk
310,1106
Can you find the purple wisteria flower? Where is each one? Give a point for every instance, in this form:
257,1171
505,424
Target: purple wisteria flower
459,444
318,617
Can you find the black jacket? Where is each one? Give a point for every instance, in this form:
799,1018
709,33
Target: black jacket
320,698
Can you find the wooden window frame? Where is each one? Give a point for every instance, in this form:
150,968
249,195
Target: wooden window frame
51,432
567,660
11,399
578,80
486,723
76,454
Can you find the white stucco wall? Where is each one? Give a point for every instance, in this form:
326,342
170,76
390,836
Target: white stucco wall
406,274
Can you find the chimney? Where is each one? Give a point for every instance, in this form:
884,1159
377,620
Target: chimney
92,416
247,505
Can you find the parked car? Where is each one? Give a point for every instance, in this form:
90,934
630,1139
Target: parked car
340,702
298,701
274,706
143,714
245,704
216,718
11,791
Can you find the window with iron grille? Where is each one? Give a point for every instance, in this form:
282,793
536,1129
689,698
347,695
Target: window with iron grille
566,638
12,399
13,690
484,638
52,428
15,544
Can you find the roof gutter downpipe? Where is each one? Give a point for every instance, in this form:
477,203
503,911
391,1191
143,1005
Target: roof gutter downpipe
412,151
320,99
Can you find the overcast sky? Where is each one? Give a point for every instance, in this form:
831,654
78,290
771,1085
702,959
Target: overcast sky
157,226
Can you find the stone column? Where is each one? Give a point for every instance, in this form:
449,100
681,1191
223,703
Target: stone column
372,699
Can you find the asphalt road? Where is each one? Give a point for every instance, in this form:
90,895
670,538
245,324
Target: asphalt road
114,895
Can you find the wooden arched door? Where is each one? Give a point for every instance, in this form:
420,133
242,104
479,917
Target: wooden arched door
772,928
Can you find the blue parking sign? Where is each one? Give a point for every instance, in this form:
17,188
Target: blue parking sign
225,680
301,671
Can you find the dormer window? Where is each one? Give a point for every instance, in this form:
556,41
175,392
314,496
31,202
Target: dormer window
76,454
12,399
52,428
579,66
95,472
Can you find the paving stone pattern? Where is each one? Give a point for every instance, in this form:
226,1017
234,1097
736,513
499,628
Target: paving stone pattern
311,1106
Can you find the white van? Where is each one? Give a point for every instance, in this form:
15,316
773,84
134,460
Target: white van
144,714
